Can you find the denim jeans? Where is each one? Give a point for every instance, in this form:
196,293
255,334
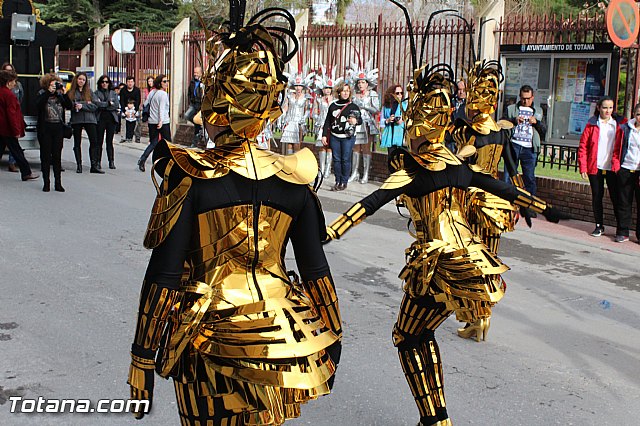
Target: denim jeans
342,151
154,133
189,115
527,159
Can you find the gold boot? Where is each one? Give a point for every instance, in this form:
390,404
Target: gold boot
446,422
473,329
485,329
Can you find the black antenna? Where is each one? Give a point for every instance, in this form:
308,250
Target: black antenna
426,30
412,40
278,32
237,9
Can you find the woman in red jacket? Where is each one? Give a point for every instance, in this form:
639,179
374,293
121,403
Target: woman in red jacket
626,164
12,123
594,159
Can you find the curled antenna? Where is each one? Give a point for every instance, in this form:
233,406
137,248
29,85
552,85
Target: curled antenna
494,63
424,81
426,30
412,41
279,32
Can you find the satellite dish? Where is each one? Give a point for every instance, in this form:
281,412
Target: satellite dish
123,41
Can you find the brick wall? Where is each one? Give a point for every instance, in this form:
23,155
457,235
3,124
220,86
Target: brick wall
183,135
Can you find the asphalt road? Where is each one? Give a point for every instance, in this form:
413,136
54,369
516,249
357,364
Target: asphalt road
564,346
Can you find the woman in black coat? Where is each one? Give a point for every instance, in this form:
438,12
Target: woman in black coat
107,116
51,103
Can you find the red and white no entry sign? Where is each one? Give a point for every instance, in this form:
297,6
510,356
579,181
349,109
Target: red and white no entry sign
622,22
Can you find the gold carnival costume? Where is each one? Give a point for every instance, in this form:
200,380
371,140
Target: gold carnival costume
488,215
448,268
244,343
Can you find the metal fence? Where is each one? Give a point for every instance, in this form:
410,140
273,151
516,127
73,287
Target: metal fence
152,56
387,45
558,156
69,59
553,29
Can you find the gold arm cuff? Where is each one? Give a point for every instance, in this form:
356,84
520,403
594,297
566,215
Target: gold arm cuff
518,181
323,294
346,221
143,363
159,301
137,377
529,201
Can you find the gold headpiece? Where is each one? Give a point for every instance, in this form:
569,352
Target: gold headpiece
429,107
483,86
244,78
483,89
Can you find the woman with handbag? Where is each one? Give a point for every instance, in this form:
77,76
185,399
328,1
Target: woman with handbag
158,121
107,116
51,103
83,116
339,133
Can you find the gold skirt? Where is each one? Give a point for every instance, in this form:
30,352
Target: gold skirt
262,358
467,279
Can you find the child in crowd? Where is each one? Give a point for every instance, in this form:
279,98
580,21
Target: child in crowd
130,115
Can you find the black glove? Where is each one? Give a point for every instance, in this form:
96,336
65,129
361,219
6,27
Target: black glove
526,213
141,380
554,215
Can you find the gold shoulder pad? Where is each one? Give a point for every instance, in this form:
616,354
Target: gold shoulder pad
209,164
301,167
248,161
166,208
435,157
505,124
478,169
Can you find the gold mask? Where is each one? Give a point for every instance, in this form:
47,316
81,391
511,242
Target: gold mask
483,88
244,84
429,107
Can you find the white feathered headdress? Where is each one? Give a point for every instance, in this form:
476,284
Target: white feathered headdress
301,78
367,73
327,78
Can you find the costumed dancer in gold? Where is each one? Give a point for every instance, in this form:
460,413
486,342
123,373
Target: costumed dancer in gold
488,215
448,267
244,343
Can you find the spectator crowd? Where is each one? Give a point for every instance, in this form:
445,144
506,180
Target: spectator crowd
345,115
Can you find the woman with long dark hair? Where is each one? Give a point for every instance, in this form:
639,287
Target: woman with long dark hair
107,116
159,121
595,153
83,116
51,103
391,120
